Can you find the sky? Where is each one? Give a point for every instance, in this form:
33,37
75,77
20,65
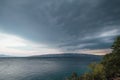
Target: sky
38,27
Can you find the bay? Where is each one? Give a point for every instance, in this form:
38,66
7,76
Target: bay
43,68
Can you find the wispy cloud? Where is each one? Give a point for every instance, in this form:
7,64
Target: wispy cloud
113,32
95,51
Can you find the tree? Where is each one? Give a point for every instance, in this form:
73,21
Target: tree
73,76
116,46
97,71
111,61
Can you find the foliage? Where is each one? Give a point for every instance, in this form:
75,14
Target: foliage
112,61
73,77
97,72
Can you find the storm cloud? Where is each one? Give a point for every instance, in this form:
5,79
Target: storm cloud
67,25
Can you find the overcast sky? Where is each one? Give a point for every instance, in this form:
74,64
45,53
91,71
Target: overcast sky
35,27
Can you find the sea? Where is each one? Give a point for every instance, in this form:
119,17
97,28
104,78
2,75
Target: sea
43,68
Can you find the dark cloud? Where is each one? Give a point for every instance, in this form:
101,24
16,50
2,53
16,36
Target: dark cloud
64,24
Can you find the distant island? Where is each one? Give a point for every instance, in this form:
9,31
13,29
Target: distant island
67,55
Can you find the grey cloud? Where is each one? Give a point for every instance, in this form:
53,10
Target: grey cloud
61,23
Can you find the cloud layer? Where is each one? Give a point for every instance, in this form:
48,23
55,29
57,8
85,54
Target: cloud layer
64,25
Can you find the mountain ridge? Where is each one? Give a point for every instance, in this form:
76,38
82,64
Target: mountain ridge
66,55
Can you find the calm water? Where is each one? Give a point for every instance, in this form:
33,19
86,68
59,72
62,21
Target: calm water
41,68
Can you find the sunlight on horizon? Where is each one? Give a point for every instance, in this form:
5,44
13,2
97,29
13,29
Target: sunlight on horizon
17,46
7,40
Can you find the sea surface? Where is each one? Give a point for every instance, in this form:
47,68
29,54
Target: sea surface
42,68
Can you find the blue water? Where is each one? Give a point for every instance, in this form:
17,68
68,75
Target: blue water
42,68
